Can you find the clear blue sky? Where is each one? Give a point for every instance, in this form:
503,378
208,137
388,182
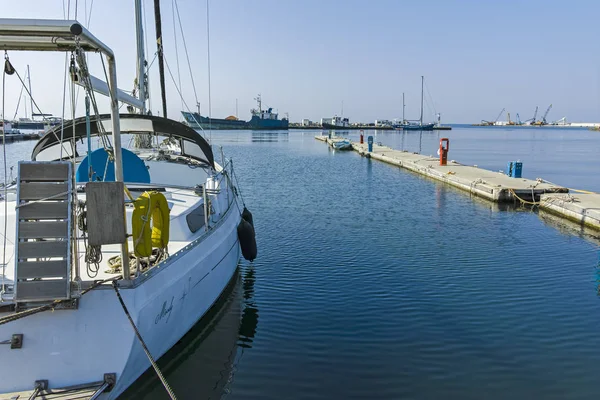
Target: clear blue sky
308,56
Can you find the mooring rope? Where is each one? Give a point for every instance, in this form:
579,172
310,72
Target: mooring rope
137,333
534,203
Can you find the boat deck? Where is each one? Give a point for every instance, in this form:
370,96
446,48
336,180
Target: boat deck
180,202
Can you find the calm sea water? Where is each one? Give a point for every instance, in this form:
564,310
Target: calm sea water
372,282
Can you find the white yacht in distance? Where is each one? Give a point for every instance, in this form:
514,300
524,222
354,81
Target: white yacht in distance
110,255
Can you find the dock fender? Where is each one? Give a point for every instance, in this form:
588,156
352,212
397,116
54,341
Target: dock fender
247,238
247,215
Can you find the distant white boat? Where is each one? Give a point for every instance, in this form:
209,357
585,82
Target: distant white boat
342,145
335,123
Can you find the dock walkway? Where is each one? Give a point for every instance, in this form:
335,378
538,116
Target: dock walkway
494,186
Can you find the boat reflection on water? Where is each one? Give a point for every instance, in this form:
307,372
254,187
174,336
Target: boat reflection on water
270,136
249,320
202,364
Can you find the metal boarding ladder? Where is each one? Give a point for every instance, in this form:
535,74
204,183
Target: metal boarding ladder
43,223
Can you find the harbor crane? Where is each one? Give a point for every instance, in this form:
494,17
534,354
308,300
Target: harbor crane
510,122
546,114
484,122
543,120
532,120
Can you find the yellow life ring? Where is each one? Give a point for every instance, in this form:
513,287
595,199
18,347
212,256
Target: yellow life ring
150,223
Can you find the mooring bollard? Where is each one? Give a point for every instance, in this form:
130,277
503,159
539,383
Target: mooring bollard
370,143
443,151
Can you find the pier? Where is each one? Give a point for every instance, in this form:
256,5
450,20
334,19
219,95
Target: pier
583,208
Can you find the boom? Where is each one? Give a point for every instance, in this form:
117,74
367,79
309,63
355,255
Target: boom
546,114
484,122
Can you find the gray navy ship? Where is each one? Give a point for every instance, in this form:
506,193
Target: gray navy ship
261,120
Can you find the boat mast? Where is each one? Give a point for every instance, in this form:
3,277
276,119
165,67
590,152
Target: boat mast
30,94
141,75
25,104
159,52
421,119
403,107
342,108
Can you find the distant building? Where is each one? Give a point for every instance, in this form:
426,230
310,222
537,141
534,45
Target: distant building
325,121
306,122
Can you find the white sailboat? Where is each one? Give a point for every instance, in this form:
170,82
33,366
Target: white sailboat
72,315
420,126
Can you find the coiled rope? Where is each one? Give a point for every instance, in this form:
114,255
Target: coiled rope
93,254
137,333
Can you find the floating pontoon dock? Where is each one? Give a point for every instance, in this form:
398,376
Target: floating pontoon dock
480,182
583,208
493,186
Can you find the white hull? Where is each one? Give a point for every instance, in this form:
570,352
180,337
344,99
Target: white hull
164,307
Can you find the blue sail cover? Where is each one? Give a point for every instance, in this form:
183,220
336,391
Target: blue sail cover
103,169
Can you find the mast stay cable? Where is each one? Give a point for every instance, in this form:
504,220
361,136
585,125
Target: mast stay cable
176,50
208,52
90,14
181,95
187,55
430,99
18,104
4,72
148,92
